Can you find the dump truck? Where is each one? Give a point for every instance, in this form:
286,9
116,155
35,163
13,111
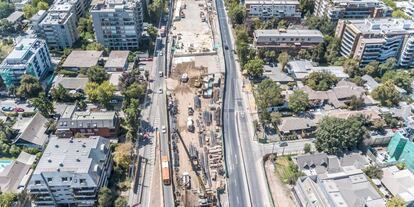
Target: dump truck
165,170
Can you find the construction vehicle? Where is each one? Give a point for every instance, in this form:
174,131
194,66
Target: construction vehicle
165,170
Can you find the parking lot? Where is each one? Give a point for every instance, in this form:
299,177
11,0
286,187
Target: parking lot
12,103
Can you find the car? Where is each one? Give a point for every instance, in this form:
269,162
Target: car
7,108
161,53
283,144
160,91
164,130
19,109
226,47
161,74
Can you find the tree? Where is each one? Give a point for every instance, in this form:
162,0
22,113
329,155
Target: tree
336,135
237,14
91,91
6,28
42,6
132,119
323,24
5,9
42,104
351,67
387,94
389,64
282,24
283,60
254,67
268,93
60,94
29,11
356,103
135,91
400,14
275,118
321,81
306,7
401,79
121,201
358,80
123,155
395,201
152,32
129,78
7,198
390,121
298,101
373,171
372,69
97,74
105,197
105,93
307,148
332,49
270,55
29,87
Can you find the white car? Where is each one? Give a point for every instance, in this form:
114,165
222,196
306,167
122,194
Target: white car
164,130
160,91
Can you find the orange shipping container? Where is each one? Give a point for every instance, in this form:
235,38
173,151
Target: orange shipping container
165,170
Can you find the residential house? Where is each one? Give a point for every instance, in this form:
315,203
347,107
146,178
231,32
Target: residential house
300,69
71,172
370,84
88,123
399,183
71,84
15,175
79,59
296,126
15,18
31,131
401,149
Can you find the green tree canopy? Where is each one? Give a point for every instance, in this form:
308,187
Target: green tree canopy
97,74
387,94
268,93
336,135
43,104
5,9
373,171
7,199
321,81
29,87
122,155
102,93
60,94
395,201
283,59
351,67
237,13
105,197
298,101
254,67
401,79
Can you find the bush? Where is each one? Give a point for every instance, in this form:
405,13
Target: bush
28,114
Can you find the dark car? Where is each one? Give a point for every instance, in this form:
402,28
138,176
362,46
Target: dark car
226,47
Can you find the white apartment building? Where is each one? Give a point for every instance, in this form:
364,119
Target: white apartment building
377,40
79,6
266,9
351,9
30,56
58,27
71,172
118,24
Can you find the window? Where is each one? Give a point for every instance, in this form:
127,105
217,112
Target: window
37,182
64,179
82,181
49,180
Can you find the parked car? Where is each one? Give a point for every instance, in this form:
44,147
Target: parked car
19,109
7,108
164,130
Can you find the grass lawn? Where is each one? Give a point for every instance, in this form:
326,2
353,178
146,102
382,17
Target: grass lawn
287,170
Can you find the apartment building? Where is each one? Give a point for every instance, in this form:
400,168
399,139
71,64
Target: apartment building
118,24
30,56
351,9
58,27
88,123
71,172
266,9
407,7
79,6
287,39
370,40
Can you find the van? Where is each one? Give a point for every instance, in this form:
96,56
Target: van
161,74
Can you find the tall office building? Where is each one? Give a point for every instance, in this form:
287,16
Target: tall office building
58,27
351,9
118,23
370,40
30,56
71,172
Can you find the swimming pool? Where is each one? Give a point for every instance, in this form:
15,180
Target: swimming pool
4,164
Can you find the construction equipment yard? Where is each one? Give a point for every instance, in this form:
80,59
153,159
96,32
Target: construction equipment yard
195,86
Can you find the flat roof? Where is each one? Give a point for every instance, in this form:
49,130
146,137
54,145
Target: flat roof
117,59
282,2
288,32
13,17
82,59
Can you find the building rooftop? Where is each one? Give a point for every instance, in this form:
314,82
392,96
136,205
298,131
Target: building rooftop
23,50
399,182
82,59
70,83
14,177
77,155
300,69
295,123
112,5
117,59
86,119
15,16
274,2
33,131
383,25
287,32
